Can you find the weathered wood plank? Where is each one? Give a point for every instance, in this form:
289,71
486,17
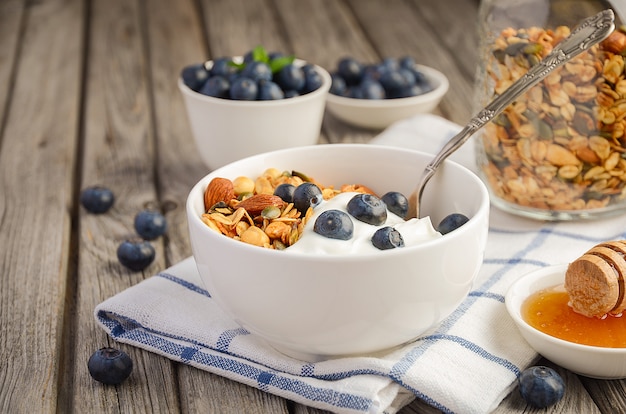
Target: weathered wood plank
11,12
37,163
176,39
118,152
237,26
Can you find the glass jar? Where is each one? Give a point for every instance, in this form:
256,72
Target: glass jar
559,151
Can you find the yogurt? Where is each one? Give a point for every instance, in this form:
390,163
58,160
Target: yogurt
413,231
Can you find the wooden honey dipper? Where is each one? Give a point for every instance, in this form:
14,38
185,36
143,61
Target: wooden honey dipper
595,281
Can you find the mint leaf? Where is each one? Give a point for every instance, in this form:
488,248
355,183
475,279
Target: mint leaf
280,62
259,54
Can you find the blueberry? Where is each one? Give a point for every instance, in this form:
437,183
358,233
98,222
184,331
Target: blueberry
269,91
97,199
222,67
390,63
291,94
407,62
194,76
397,203
306,195
374,72
451,222
371,89
393,81
290,77
275,55
387,238
334,224
135,254
312,81
150,224
243,89
350,70
257,71
338,85
541,386
216,86
285,192
110,366
368,209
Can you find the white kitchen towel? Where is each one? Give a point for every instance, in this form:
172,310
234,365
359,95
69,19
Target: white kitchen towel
468,364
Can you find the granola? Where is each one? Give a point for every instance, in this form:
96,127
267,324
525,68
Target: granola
562,145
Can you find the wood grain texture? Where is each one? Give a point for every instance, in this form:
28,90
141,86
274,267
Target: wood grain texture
36,176
117,152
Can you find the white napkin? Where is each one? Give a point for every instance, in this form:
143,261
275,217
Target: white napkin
466,365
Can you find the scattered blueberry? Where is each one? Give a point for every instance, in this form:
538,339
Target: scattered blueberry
334,224
306,195
451,222
97,199
397,203
285,192
368,209
399,78
244,89
135,254
110,366
195,76
387,238
541,386
150,224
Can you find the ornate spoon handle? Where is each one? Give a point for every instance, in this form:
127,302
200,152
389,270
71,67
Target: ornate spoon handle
588,33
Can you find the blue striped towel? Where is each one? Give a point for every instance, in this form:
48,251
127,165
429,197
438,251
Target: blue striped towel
466,365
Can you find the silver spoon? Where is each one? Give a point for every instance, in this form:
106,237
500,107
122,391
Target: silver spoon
588,33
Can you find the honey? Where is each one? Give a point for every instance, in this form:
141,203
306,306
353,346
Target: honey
549,312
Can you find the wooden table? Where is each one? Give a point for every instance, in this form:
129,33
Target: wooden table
88,96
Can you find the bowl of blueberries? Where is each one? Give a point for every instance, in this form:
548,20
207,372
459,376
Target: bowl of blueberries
376,95
244,105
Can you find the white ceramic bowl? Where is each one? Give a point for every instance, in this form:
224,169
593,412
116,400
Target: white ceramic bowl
227,130
380,113
315,306
591,361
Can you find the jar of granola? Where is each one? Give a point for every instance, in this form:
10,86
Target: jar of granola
559,151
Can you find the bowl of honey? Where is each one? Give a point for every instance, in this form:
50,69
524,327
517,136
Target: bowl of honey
591,346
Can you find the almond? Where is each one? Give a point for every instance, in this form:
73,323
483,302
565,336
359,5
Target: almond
255,204
219,189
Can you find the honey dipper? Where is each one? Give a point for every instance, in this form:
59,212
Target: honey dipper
595,281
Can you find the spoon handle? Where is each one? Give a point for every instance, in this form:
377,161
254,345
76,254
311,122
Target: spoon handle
590,32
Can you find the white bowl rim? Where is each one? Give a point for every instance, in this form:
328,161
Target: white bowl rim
429,72
513,302
359,257
322,90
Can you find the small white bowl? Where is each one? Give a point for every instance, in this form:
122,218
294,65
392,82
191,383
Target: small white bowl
380,113
227,130
590,361
315,306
